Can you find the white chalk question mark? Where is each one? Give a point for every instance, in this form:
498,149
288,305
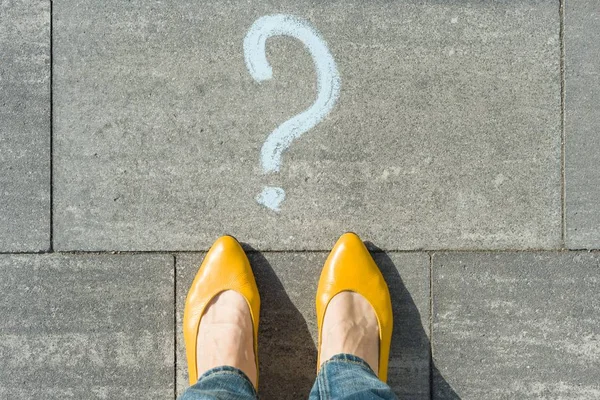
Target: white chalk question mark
328,90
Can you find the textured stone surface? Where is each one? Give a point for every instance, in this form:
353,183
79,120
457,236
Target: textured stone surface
517,325
24,125
446,133
288,332
82,327
582,123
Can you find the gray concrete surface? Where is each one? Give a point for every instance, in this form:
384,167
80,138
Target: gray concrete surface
446,134
86,327
517,325
24,125
582,123
288,332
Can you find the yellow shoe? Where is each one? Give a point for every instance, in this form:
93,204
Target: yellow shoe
350,267
225,267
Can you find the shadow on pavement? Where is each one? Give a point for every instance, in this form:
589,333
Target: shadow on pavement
287,354
409,334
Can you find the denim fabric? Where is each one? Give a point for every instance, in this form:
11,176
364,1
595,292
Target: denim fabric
221,383
347,377
343,377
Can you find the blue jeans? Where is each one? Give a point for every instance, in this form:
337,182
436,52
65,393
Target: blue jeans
344,376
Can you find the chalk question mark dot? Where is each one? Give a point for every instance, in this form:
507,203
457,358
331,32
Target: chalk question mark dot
328,90
271,197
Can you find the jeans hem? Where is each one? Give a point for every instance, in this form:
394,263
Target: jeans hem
229,370
349,359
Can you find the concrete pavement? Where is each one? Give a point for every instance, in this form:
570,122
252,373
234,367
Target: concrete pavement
25,126
447,127
463,146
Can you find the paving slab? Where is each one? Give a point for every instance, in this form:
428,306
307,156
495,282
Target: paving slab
288,331
582,123
447,126
86,326
517,325
24,125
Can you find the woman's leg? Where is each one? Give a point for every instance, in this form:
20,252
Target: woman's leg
225,353
350,352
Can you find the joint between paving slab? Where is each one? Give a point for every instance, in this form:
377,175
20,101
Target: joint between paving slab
419,251
51,235
563,193
174,326
431,325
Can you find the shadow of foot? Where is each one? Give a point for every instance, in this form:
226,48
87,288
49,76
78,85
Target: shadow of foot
287,354
410,356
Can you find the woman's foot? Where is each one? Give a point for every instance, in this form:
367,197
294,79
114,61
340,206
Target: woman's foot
225,335
350,326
